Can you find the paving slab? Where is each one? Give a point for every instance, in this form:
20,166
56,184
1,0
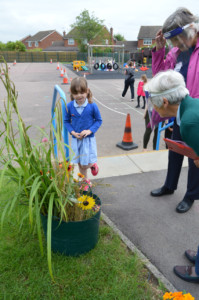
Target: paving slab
152,224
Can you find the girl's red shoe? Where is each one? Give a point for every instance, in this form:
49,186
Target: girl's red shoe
94,169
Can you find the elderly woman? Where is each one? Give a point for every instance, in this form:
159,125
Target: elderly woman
181,31
170,98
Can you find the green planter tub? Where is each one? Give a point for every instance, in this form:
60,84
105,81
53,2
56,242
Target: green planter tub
74,238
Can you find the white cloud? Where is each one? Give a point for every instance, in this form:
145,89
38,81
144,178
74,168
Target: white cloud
22,17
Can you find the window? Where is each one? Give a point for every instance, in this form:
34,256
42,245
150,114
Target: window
36,44
147,42
71,42
106,41
29,44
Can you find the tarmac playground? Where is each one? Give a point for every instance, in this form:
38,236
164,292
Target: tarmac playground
147,225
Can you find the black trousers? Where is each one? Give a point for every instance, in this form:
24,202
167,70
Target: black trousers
174,169
144,101
128,83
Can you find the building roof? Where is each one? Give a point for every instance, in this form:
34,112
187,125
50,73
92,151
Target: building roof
59,46
129,46
39,36
148,32
25,38
58,43
72,34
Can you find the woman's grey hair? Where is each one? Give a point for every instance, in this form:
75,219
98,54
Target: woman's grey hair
181,17
168,84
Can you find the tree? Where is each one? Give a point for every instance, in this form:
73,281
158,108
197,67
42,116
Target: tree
119,37
2,46
19,46
86,28
15,46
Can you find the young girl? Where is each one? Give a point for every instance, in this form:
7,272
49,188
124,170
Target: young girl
82,119
140,91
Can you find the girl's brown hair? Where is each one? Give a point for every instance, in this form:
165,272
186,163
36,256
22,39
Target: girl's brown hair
79,85
144,78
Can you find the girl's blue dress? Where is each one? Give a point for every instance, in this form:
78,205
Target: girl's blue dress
85,149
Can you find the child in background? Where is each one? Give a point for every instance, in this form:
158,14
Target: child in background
140,91
82,119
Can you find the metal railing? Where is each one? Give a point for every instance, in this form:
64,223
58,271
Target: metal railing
160,129
62,95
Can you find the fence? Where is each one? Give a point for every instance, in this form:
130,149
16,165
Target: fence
40,56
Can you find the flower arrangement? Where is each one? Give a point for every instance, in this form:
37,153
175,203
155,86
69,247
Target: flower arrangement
44,183
177,296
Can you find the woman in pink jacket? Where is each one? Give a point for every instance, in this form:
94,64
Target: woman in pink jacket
181,29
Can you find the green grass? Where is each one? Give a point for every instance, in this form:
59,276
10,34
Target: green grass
110,271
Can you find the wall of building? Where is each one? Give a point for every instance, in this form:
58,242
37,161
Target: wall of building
67,45
140,43
46,42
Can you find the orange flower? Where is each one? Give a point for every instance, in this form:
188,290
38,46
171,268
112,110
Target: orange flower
41,172
177,296
70,167
60,165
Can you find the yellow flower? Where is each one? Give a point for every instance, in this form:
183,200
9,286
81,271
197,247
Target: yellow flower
86,202
80,175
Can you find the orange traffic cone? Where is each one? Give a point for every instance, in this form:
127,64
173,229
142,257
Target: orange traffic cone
14,63
127,142
62,73
57,66
65,79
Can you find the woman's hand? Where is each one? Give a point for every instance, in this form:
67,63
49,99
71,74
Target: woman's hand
160,40
196,162
85,133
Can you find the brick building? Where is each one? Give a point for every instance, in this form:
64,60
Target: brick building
42,39
146,35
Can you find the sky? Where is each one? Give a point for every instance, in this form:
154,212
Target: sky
21,18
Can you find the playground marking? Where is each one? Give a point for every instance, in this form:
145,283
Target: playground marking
118,112
129,107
